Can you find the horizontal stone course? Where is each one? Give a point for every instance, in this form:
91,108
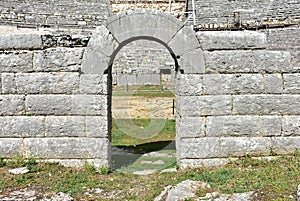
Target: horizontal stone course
218,147
233,84
285,145
252,126
66,104
56,148
20,41
228,40
193,106
41,83
266,104
247,61
12,104
21,126
16,61
57,59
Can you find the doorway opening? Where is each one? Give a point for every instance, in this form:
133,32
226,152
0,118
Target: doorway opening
143,107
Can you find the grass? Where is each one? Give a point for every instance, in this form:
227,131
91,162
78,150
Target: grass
119,138
272,180
143,90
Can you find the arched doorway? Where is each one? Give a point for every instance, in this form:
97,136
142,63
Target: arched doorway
107,40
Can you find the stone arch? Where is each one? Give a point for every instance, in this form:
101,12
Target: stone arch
119,30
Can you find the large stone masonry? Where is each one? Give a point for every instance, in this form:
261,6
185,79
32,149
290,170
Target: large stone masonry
246,103
48,108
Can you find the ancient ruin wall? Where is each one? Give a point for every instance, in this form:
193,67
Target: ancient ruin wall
48,108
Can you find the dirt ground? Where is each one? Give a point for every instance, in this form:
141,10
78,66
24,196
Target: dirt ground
142,107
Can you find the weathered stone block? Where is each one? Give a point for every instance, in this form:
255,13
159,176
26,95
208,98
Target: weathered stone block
192,62
285,145
96,126
214,147
90,105
20,41
226,40
93,84
67,104
10,147
253,126
16,61
274,83
47,83
291,83
94,62
266,104
49,104
189,85
240,61
12,105
291,125
58,59
8,83
55,148
210,162
233,84
190,127
21,126
185,41
65,126
203,105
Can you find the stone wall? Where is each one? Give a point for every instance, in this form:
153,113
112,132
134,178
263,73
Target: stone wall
247,102
81,13
47,104
252,11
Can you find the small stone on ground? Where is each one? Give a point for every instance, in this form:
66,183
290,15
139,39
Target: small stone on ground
144,172
22,170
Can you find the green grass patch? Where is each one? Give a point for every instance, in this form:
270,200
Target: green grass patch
272,180
119,138
143,90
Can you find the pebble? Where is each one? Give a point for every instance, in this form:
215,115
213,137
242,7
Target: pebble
144,172
22,170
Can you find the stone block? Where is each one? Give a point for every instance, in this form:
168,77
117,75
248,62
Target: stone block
8,83
143,23
229,40
274,83
49,104
210,162
21,126
93,84
285,145
140,79
58,59
192,62
252,126
189,85
96,126
20,41
291,83
94,62
66,104
47,83
90,105
10,147
12,105
65,126
190,127
16,61
291,126
215,147
247,61
233,84
186,41
67,148
193,106
266,104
